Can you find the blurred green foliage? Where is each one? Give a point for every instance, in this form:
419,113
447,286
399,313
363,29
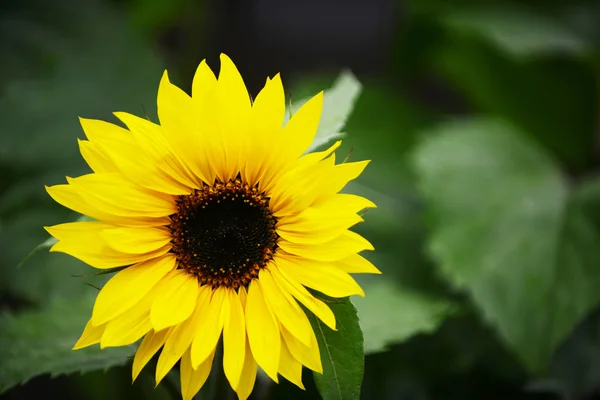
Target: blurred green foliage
487,229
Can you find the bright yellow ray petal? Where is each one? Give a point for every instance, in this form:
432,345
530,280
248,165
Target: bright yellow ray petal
98,131
180,339
331,209
94,157
277,168
192,379
91,335
234,339
204,82
114,194
178,116
356,264
287,311
318,230
243,295
268,110
152,342
176,296
298,189
83,241
263,331
306,355
129,327
300,130
232,115
248,376
341,174
128,287
321,276
119,145
209,328
289,367
156,146
316,306
346,244
136,240
69,197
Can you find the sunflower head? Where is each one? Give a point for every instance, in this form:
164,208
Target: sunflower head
221,222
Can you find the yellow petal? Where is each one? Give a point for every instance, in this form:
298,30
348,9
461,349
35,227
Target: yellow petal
91,335
83,241
152,342
317,229
177,113
316,306
298,189
248,376
339,177
136,240
289,367
98,131
156,146
94,157
321,276
268,110
306,355
285,308
331,209
234,340
346,244
279,166
141,169
203,83
232,115
180,338
116,195
243,295
129,286
263,331
119,144
209,328
129,327
175,300
300,131
356,264
192,379
66,195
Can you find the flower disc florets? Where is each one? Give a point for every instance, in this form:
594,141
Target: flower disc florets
224,233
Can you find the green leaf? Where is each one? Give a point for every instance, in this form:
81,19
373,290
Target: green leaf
504,228
39,342
341,352
543,98
412,313
515,29
338,104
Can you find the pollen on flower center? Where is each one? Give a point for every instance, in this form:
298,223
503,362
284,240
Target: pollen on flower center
224,233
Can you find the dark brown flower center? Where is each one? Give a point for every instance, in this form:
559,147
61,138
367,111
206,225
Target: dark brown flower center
224,233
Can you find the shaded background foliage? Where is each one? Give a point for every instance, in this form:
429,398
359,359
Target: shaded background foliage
482,121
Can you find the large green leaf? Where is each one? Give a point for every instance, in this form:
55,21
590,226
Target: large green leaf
515,29
341,353
413,313
39,342
505,229
545,99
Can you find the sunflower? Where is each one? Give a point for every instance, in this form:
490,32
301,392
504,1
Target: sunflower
220,224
